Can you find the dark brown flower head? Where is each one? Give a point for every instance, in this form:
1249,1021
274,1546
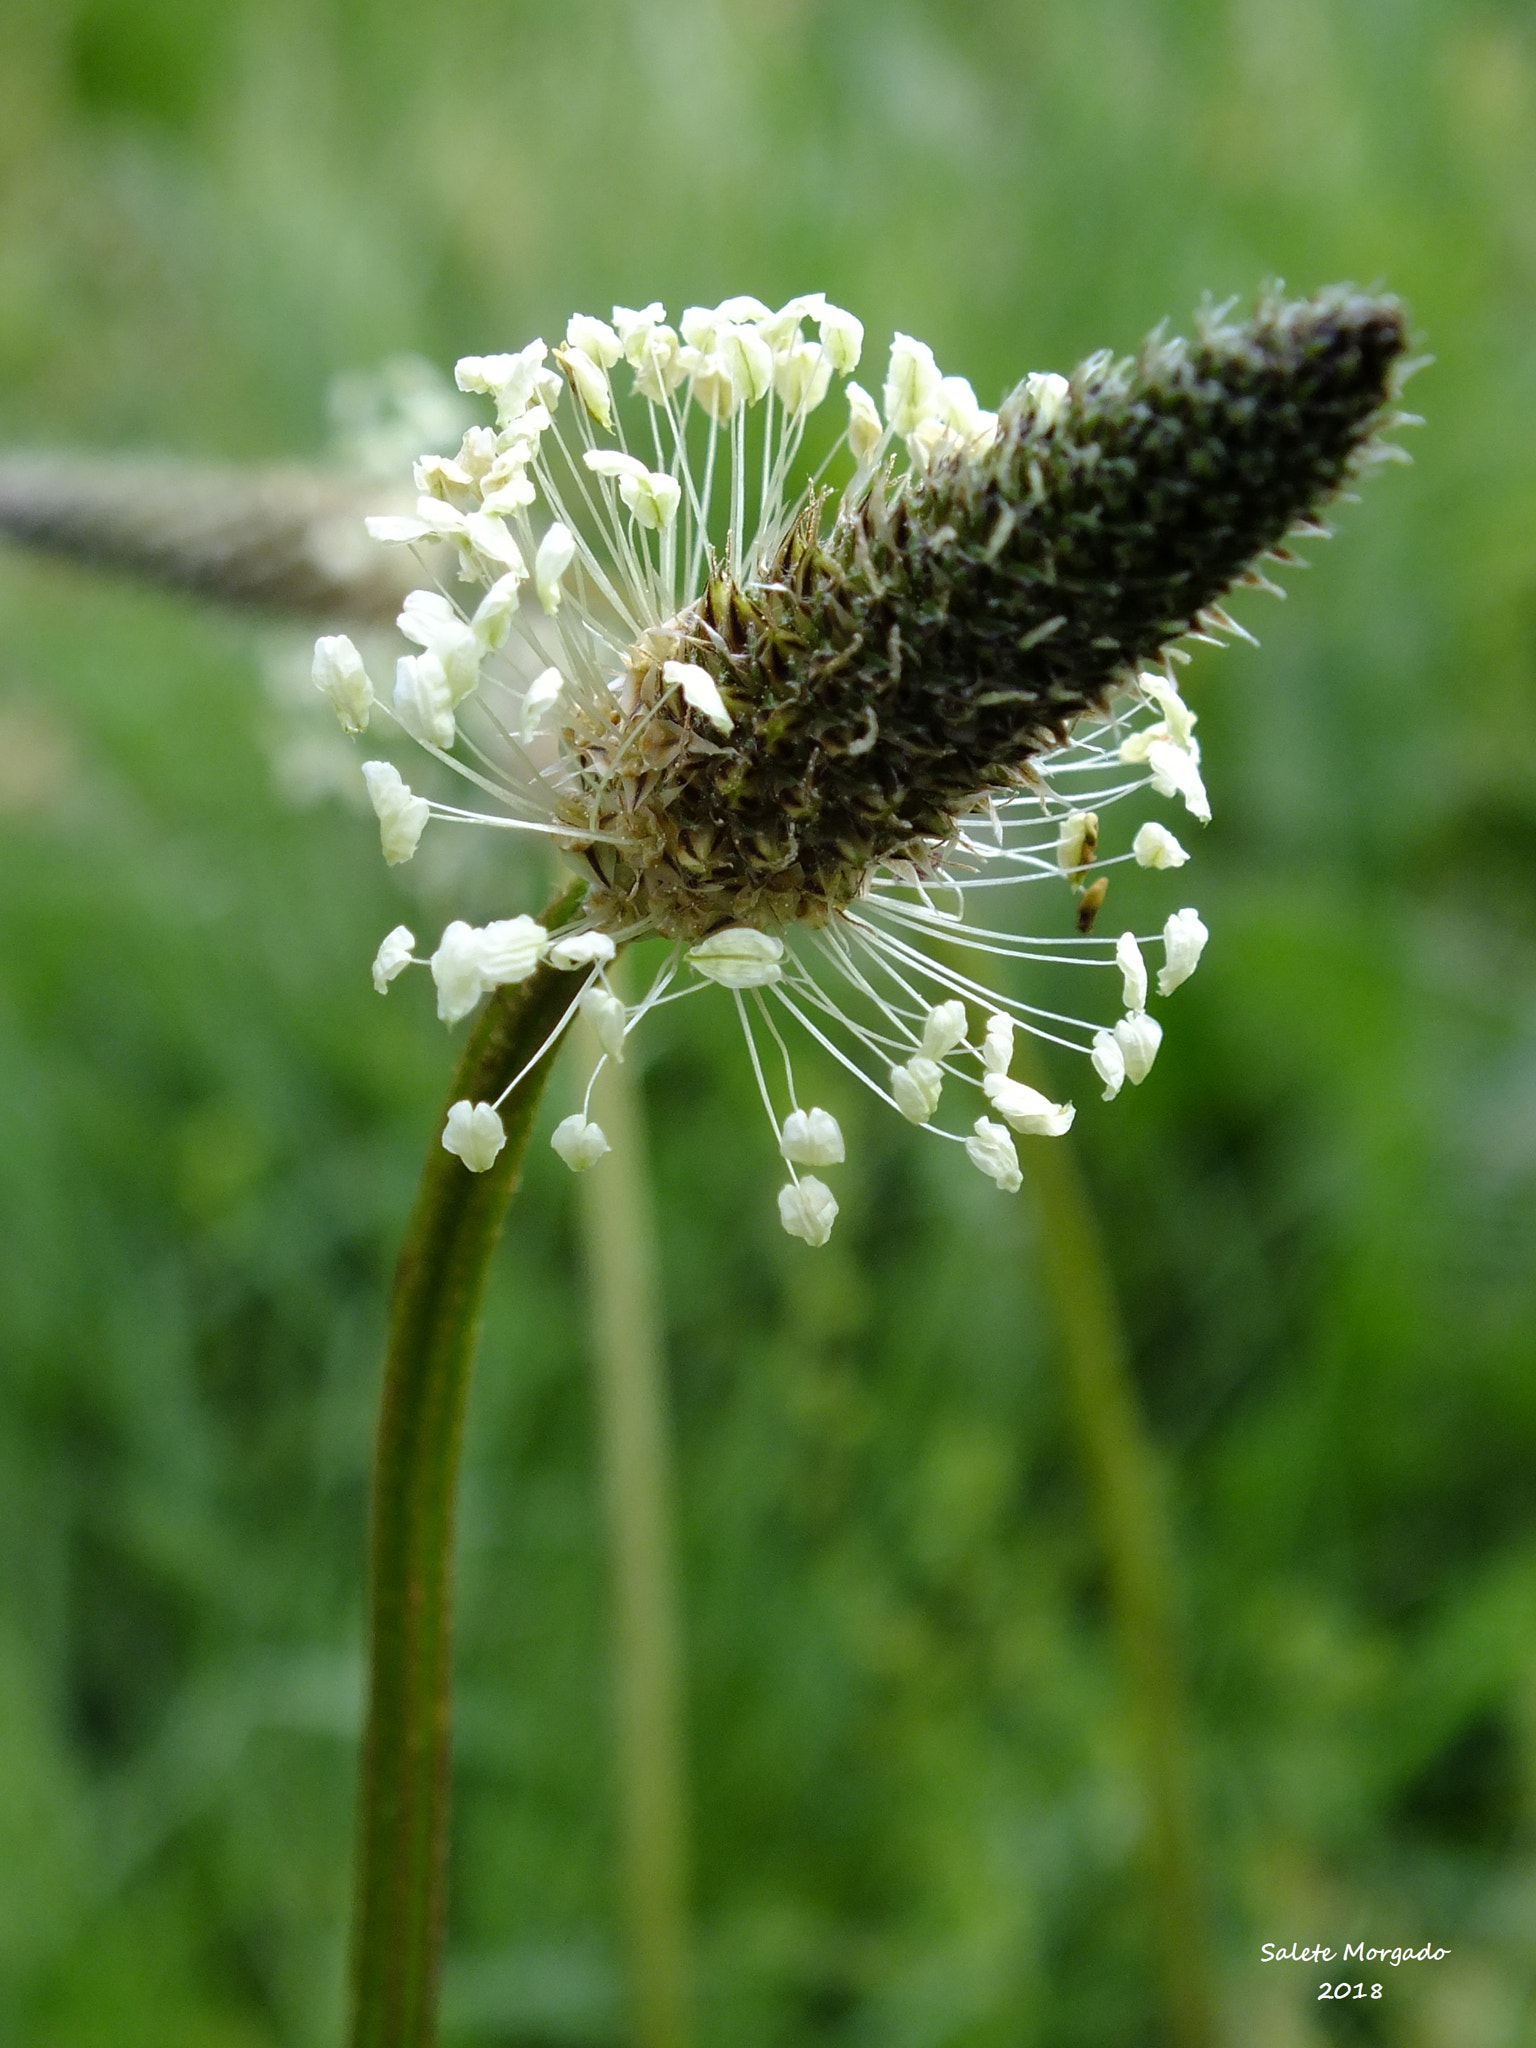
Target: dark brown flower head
897,660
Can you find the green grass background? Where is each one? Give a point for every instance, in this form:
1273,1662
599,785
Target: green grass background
915,1813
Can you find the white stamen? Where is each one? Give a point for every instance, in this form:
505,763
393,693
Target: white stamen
808,1209
1026,1108
557,551
474,1131
1138,1037
1133,971
402,817
990,1148
1048,392
424,700
579,1143
943,1029
740,958
1078,841
1184,938
340,674
393,957
1108,1063
582,949
699,689
607,1016
997,1046
865,432
917,1086
1155,847
811,1137
911,384
543,692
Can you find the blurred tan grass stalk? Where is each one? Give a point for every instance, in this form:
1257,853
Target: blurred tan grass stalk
639,1498
1127,1497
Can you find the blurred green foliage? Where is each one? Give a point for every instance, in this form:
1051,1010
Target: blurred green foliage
915,1815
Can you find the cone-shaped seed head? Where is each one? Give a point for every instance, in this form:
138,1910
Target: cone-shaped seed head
881,678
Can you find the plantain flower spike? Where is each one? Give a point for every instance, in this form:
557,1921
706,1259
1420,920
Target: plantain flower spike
804,727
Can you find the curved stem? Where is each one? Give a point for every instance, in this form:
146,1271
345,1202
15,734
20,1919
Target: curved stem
638,1492
433,1326
1126,1489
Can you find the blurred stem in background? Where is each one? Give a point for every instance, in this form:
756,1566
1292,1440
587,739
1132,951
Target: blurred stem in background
635,1438
434,1319
1126,1490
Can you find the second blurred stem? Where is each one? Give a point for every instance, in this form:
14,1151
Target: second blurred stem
635,1449
1126,1488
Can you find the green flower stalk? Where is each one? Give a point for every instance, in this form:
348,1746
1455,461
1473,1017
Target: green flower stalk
433,1326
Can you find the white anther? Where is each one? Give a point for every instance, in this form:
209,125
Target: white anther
1078,842
490,541
508,487
659,367
1138,1037
632,326
956,408
652,496
595,339
395,530
475,1133
1048,392
842,336
512,380
339,672
557,551
997,1046
864,429
700,326
990,1147
579,1143
1026,1108
916,1087
739,958
808,1209
1177,716
1174,773
1108,1063
393,956
943,1029
590,383
699,689
470,960
1155,847
402,817
811,1137
607,1016
911,384
540,694
433,623
1184,938
441,476
456,971
424,701
1133,971
510,949
493,615
581,949
801,376
710,384
747,359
